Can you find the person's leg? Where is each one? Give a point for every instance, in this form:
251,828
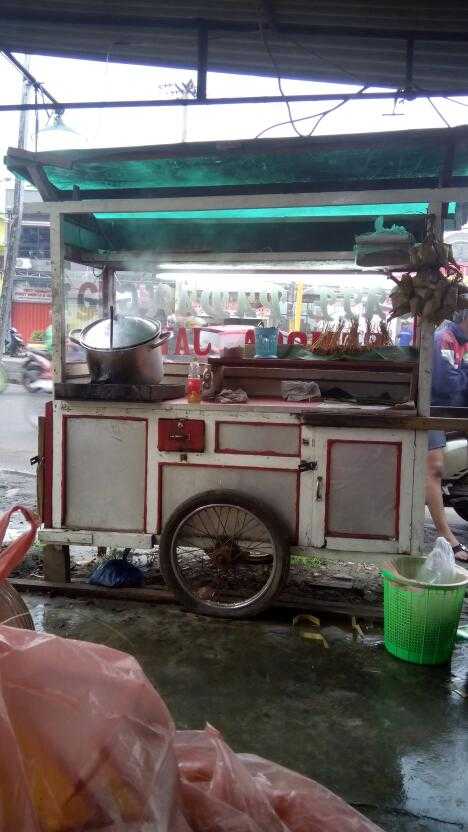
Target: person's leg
434,500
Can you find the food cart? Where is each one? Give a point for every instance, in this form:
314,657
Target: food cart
229,490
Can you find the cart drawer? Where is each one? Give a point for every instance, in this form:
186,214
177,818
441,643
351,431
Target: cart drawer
258,438
181,435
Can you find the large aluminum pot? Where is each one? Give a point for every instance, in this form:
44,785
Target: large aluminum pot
123,349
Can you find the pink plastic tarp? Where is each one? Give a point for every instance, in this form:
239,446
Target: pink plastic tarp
88,744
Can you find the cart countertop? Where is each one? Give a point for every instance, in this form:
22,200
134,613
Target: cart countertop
331,414
319,413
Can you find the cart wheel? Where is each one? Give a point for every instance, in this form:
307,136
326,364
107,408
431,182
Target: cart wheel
461,507
224,554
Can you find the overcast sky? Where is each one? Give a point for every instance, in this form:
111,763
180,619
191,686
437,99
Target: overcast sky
74,80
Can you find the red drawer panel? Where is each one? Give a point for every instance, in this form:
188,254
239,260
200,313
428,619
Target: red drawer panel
181,435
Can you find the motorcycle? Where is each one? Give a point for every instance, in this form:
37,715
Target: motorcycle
37,372
455,475
14,344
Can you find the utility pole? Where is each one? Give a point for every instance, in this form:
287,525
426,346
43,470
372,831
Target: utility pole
14,228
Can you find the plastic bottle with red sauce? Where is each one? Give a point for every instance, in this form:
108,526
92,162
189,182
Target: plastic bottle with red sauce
194,384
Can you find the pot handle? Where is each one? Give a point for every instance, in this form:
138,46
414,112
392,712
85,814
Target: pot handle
162,338
73,338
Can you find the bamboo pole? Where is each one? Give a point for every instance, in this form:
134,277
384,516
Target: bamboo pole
14,229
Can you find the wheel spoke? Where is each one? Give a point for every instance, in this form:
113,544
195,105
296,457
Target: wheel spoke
212,517
220,531
202,521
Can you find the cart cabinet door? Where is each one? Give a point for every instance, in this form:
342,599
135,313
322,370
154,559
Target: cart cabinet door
104,473
366,491
275,487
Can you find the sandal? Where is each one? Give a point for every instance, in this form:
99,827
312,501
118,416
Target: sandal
458,549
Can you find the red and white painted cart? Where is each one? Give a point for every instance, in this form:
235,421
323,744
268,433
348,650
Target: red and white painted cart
228,491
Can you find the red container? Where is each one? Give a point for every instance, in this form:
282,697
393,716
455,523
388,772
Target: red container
181,435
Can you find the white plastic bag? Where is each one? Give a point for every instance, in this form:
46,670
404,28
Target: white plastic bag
440,566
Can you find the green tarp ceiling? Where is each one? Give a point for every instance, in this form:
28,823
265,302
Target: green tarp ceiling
403,159
319,229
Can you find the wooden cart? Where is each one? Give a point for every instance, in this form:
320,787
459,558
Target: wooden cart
229,491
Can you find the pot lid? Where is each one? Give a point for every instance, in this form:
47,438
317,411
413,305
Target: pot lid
128,332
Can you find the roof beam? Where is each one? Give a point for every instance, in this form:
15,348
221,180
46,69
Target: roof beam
202,63
258,99
277,200
142,22
33,81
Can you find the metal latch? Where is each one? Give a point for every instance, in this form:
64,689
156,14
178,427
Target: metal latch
179,437
36,460
319,490
307,466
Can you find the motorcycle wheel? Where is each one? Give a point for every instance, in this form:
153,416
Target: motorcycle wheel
3,379
30,375
462,509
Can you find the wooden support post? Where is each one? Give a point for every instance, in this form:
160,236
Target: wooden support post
202,62
58,295
419,493
56,563
426,333
426,339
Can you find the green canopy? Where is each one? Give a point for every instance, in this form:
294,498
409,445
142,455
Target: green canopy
384,161
402,159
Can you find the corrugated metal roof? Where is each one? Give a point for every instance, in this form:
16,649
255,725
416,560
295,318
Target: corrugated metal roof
328,41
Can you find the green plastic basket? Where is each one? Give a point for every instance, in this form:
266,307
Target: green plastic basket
420,620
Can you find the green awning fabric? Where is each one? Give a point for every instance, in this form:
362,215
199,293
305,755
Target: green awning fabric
186,232
315,211
403,159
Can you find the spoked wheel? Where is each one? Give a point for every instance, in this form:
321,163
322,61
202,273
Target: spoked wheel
30,375
461,507
224,554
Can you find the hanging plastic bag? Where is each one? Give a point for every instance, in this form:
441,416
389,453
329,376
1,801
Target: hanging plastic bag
439,567
15,552
13,610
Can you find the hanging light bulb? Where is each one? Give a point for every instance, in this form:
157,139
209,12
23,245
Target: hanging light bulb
58,136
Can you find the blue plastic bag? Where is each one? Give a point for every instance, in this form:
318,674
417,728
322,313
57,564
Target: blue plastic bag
116,572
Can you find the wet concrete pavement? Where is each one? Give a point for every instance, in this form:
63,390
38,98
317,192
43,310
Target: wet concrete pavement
389,737
18,426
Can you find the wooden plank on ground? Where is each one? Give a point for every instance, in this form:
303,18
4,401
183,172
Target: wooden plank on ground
79,589
368,611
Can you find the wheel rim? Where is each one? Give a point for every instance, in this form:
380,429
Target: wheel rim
224,556
30,376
